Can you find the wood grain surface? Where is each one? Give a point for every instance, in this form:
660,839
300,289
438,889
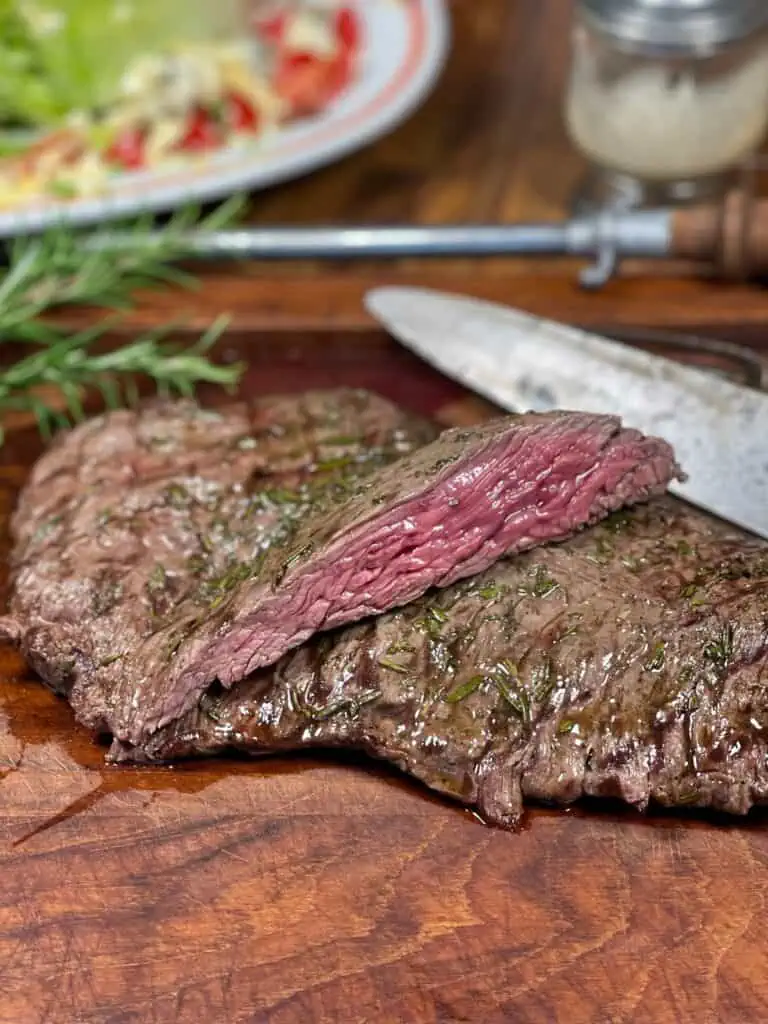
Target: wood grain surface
330,889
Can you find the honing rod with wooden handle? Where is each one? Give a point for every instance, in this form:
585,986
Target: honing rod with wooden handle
729,238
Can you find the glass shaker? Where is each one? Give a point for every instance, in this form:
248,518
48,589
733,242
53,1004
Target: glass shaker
666,97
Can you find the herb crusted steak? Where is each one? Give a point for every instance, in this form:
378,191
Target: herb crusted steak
630,661
442,513
240,583
132,511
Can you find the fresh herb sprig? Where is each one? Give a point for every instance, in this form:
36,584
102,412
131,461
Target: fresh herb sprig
57,269
70,365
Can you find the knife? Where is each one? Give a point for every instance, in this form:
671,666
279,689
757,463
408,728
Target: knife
521,362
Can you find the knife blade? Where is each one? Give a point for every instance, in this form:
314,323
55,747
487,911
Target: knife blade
719,429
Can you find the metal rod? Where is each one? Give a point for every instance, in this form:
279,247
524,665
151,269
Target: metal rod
643,233
352,243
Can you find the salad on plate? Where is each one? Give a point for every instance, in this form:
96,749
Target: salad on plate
97,88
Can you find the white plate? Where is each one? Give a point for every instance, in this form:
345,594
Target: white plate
405,44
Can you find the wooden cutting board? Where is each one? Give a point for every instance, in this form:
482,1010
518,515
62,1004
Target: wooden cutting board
331,889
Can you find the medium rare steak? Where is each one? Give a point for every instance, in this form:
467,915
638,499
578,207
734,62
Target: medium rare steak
128,513
630,661
248,584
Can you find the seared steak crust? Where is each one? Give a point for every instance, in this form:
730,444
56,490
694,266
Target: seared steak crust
628,662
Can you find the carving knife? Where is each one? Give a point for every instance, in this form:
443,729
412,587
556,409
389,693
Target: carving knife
719,429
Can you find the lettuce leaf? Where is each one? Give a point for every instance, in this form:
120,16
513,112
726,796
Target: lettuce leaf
60,56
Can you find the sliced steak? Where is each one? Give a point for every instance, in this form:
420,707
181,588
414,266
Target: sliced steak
630,661
128,513
142,585
444,512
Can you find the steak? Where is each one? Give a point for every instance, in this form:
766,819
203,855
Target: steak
630,661
130,512
441,513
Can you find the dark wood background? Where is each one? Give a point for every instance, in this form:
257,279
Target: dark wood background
314,889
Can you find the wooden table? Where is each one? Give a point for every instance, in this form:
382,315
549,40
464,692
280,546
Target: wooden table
304,890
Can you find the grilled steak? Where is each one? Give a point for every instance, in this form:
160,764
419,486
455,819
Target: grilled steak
440,514
628,662
130,512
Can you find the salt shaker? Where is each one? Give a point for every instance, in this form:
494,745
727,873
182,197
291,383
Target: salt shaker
667,96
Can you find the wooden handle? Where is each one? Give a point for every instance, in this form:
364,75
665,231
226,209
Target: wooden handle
732,236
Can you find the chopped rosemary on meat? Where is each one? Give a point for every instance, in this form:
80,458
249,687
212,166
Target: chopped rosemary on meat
177,495
719,651
340,442
543,679
106,662
464,690
506,678
658,657
294,559
393,666
328,465
400,647
214,591
430,623
540,585
351,705
571,628
442,463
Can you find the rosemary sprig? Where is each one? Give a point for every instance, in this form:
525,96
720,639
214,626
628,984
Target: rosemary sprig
56,269
59,268
70,365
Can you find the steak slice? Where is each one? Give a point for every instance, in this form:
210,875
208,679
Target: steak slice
442,513
630,661
128,513
152,584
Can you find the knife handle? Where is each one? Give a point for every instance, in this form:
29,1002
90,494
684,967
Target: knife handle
731,236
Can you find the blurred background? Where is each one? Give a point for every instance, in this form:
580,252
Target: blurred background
378,113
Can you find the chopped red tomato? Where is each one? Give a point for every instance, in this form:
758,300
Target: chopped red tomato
340,73
127,149
302,81
308,83
347,28
241,114
272,29
202,132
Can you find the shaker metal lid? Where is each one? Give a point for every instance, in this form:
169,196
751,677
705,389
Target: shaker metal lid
676,25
